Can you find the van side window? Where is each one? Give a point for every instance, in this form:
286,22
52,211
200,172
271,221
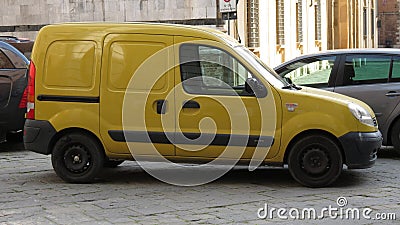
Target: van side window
212,71
366,69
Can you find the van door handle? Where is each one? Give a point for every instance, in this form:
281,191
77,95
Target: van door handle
190,104
392,94
161,106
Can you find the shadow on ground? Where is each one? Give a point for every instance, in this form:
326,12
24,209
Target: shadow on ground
388,152
271,177
12,146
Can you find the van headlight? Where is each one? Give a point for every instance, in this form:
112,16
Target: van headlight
361,114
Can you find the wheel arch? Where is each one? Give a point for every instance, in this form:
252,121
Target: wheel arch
61,133
313,132
390,130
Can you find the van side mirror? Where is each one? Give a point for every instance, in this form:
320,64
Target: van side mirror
254,87
287,79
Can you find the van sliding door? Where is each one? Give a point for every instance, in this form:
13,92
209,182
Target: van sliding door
136,85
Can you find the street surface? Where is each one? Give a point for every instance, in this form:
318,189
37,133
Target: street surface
31,193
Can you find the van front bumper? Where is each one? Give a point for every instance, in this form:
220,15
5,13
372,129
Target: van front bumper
361,148
37,136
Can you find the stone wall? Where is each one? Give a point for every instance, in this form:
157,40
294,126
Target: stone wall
23,17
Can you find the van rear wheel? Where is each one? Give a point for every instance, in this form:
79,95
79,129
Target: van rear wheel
77,158
315,161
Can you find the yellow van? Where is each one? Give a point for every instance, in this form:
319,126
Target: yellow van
102,93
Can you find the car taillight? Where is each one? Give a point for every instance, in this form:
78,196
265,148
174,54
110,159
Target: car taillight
24,99
30,109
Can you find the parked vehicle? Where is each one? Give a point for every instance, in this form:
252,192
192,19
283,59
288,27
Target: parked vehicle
370,75
79,83
23,45
13,80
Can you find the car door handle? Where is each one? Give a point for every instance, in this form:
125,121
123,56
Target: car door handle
161,106
392,94
190,104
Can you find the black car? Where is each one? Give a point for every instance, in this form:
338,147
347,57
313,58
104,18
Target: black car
13,80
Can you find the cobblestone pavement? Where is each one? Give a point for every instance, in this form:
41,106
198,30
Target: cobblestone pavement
31,193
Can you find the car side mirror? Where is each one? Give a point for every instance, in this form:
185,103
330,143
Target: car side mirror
254,87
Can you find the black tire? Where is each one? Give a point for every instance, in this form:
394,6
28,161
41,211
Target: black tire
315,161
395,136
108,163
77,158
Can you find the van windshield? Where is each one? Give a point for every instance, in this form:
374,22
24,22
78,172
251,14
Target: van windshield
268,73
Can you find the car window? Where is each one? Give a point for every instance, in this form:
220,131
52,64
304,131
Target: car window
16,59
5,62
210,70
366,69
313,71
396,70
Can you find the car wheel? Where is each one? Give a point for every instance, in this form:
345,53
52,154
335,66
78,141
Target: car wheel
77,158
112,163
395,136
315,161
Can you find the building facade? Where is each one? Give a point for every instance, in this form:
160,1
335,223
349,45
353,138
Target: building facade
352,24
389,23
281,30
276,30
284,29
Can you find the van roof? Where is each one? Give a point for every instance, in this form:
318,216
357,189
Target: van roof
104,28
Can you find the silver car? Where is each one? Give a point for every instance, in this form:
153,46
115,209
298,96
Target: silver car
371,75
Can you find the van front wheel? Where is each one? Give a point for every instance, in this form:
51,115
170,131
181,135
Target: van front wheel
77,158
315,161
